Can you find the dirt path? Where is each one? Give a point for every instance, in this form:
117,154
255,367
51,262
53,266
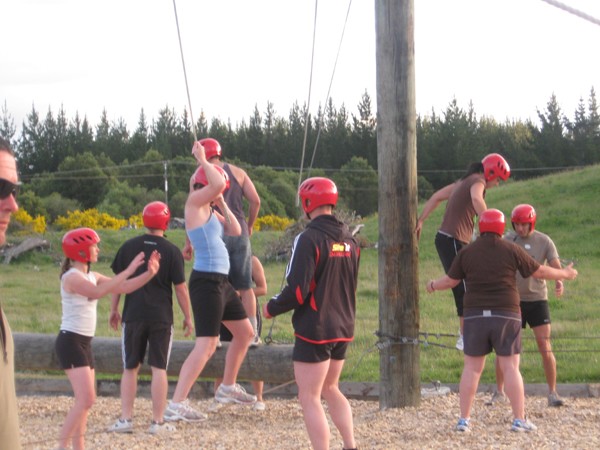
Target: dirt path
280,426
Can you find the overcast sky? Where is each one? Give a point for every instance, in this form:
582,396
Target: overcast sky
506,56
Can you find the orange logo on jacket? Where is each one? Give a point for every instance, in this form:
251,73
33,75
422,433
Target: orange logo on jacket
339,250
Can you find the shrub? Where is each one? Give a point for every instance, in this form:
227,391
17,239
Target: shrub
272,223
90,218
28,223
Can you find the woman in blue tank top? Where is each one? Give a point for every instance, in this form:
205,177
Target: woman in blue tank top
213,298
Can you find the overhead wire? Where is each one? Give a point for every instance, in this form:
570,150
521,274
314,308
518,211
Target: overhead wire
573,11
306,116
320,119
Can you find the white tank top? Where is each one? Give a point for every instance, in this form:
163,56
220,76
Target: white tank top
78,313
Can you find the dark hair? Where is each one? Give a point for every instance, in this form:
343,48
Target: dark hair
5,146
66,265
476,167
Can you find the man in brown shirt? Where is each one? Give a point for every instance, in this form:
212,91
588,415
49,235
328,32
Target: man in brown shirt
492,319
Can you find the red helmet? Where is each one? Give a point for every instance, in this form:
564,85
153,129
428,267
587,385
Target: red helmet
200,176
156,215
491,221
212,148
494,166
76,244
317,191
524,214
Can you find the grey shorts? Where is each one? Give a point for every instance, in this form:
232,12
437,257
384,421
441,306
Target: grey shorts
487,330
240,260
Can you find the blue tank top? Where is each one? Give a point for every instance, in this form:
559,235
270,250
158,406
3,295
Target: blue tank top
210,253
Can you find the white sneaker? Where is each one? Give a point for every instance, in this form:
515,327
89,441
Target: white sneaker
256,341
259,406
522,425
234,394
183,411
121,426
160,428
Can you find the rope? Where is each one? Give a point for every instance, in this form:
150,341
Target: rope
185,73
312,62
573,11
320,120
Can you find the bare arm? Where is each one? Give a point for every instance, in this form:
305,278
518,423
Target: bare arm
477,198
559,287
114,318
117,284
431,204
253,198
552,273
231,226
258,275
183,298
441,284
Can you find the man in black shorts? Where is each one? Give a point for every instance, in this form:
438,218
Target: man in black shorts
534,296
147,320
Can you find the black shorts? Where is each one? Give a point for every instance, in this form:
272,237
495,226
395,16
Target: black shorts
447,248
535,313
156,336
487,330
226,336
74,350
308,352
213,300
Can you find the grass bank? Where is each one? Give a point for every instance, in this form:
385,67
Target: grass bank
567,210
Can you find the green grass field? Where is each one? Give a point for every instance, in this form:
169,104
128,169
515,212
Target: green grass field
567,211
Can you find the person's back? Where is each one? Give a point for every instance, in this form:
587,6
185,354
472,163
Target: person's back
488,267
154,301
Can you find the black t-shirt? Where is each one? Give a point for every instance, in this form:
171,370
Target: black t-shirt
153,302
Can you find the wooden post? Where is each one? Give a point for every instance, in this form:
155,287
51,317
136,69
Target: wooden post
397,163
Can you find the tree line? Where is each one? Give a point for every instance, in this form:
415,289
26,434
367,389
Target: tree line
69,164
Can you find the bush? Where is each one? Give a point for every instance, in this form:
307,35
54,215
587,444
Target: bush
90,218
28,224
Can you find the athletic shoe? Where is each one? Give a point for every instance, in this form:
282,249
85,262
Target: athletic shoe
121,426
463,425
159,428
259,406
233,394
460,345
555,400
256,341
183,411
522,425
497,397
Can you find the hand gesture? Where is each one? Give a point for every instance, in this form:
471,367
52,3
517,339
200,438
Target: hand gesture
198,152
154,262
135,263
188,327
571,272
559,288
114,319
188,251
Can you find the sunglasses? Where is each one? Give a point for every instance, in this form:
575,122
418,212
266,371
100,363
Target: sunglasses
8,188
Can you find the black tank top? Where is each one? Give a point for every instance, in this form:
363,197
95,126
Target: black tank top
234,197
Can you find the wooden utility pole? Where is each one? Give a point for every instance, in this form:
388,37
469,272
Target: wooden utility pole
397,162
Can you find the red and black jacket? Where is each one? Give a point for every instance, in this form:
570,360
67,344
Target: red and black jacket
321,282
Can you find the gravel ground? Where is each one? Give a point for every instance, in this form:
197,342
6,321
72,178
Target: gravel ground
430,426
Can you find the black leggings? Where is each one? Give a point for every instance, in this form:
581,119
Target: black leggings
447,248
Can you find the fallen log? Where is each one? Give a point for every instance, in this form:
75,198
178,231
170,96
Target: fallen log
271,363
25,246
